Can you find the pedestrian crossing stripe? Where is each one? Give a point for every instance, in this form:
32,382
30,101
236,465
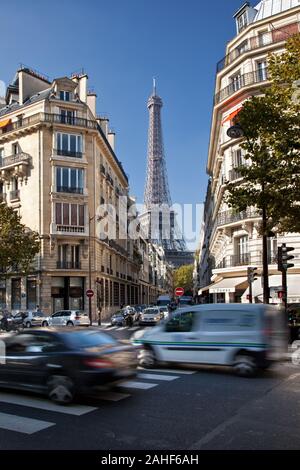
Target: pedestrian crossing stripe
22,424
44,404
25,425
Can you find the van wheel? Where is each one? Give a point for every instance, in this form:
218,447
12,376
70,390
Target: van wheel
45,323
69,323
60,389
28,324
147,359
245,366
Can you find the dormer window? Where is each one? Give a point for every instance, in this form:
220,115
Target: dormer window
65,95
244,16
242,21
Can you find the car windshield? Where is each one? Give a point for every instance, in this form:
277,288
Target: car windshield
85,339
151,311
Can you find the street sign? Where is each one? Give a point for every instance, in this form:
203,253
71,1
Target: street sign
90,293
179,291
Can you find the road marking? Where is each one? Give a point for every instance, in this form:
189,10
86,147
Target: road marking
158,377
214,433
42,404
133,328
22,424
171,371
112,396
141,385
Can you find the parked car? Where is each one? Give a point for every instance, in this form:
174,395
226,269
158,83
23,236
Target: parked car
67,318
244,336
62,362
118,319
32,318
150,316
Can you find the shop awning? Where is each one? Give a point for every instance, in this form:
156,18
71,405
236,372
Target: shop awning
230,284
275,284
232,115
5,123
206,288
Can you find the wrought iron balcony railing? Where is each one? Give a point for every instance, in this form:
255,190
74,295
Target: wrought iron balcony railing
68,265
234,175
245,259
228,217
242,81
68,153
50,118
256,42
67,189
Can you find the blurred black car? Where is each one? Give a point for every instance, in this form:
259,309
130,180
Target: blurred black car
61,363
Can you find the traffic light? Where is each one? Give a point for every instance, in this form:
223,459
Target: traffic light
252,274
284,257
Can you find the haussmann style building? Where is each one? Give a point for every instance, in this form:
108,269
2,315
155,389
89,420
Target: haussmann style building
57,165
230,241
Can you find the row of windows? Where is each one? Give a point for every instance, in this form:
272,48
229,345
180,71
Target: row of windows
69,214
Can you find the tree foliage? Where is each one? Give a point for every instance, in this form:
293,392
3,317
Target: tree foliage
183,277
18,245
271,125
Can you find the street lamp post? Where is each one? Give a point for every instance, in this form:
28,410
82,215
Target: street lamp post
90,270
235,132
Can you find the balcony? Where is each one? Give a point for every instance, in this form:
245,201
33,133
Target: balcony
234,175
68,265
256,42
14,160
122,251
242,81
67,189
70,229
245,259
68,153
50,118
14,195
229,217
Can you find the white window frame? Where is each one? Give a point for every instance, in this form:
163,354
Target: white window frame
242,21
79,142
59,176
63,95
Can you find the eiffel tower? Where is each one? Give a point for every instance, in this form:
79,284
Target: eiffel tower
157,192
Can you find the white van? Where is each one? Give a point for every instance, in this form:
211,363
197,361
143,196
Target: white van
245,336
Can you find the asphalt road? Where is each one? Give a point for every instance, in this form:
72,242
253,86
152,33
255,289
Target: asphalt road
164,409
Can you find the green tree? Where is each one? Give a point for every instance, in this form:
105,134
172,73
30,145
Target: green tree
271,125
18,245
183,277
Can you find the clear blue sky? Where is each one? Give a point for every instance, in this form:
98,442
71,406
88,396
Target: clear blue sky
122,44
